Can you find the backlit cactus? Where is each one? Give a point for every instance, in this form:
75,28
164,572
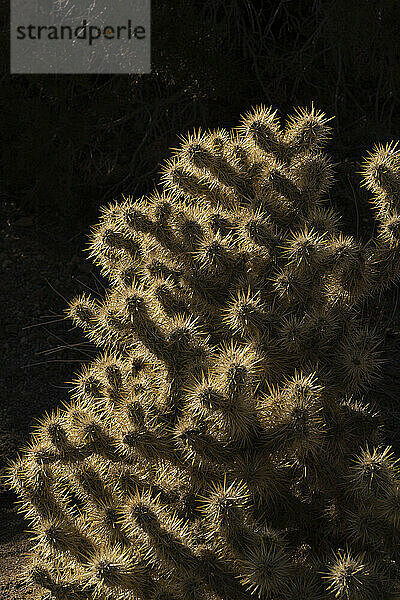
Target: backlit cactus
219,447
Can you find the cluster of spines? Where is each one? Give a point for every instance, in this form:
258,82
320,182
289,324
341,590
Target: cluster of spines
218,448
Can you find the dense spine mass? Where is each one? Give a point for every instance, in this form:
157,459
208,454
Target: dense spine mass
219,447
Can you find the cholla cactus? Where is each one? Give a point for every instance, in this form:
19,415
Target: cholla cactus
219,447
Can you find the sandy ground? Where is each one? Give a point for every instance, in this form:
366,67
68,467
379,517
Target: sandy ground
12,562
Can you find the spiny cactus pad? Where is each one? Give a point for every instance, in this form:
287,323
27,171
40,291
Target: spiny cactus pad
219,447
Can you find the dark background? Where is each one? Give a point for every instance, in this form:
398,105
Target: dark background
73,143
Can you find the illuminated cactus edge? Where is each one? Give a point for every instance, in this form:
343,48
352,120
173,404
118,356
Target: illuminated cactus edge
219,448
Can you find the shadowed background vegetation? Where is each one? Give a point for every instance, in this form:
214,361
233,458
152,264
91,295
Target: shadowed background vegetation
74,143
